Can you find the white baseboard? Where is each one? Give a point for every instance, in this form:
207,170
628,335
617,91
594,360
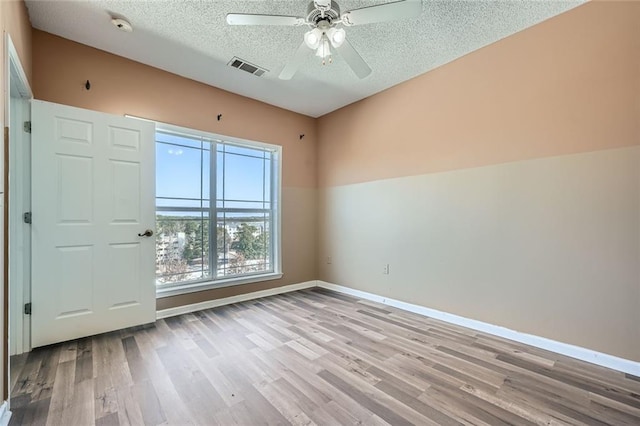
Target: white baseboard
5,414
185,309
583,354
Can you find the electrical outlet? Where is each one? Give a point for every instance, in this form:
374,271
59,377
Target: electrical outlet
385,270
329,260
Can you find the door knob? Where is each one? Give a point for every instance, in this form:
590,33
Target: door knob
146,233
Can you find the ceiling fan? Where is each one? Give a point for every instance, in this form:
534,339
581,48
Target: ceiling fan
325,20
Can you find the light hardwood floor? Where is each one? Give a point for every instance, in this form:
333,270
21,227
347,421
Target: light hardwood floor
308,357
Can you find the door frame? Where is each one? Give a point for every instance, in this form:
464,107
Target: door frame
17,95
19,233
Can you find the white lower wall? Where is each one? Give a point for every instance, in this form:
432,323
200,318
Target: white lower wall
549,247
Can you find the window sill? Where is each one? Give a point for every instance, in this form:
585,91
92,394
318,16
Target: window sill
179,289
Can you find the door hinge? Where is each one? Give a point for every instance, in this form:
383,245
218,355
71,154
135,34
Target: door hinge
27,308
27,126
26,217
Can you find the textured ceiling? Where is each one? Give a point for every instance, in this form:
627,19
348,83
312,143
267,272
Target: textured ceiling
192,39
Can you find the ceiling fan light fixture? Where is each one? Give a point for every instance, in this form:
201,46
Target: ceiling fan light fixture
336,36
312,38
324,48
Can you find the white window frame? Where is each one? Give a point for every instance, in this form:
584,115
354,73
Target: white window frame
168,290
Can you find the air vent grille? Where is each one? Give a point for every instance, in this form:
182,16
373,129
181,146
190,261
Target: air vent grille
243,65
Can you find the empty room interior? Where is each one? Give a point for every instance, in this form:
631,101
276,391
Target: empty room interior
242,212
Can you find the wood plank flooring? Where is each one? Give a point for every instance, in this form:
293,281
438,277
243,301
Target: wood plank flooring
312,357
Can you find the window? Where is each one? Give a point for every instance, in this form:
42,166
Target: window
216,210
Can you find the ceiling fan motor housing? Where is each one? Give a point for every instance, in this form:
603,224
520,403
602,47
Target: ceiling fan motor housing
315,13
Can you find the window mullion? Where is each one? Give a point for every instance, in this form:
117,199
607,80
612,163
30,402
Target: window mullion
274,234
180,209
213,211
201,236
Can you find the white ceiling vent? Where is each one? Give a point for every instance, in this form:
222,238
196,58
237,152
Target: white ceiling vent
243,65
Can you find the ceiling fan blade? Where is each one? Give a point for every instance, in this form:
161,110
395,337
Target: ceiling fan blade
249,19
354,60
383,12
292,66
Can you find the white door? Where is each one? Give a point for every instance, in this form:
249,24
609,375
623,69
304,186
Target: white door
93,190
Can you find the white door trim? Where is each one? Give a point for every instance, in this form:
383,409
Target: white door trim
16,73
16,81
17,111
19,232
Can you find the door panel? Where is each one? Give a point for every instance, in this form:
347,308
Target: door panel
74,203
125,266
125,192
74,269
93,190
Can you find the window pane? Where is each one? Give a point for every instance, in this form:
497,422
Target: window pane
219,175
206,174
267,179
243,243
178,172
242,204
175,202
243,178
194,142
251,152
182,246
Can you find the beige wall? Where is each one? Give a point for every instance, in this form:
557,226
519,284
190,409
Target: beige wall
15,22
567,85
502,187
121,86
